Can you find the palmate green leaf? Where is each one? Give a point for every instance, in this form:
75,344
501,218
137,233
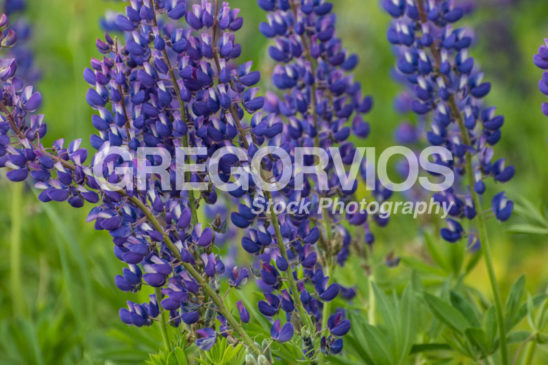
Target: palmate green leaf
407,310
77,281
223,353
490,328
457,254
376,346
429,347
514,300
527,209
466,307
518,336
462,345
353,341
528,229
420,266
531,312
435,252
542,338
524,309
446,313
389,312
178,356
472,262
541,315
399,329
25,340
478,338
536,222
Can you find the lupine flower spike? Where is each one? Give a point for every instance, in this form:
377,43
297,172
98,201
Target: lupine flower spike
449,91
163,87
318,105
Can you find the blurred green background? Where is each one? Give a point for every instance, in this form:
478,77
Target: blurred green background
58,301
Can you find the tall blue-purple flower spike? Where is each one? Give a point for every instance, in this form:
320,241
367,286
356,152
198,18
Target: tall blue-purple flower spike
448,90
541,61
168,87
20,51
172,86
318,105
58,171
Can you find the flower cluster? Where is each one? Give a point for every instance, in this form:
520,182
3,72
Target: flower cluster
318,105
23,32
541,61
448,90
173,86
164,86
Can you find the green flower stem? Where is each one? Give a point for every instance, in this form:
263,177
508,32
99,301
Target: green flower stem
480,218
305,317
17,297
163,321
483,236
329,267
329,263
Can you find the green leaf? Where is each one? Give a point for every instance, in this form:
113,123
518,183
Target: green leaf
446,313
376,345
518,336
528,229
457,253
477,337
527,209
530,312
472,262
542,338
465,307
514,300
524,308
407,322
356,338
490,328
420,266
388,312
435,252
429,347
541,315
178,357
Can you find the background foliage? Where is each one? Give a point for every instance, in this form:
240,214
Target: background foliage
58,302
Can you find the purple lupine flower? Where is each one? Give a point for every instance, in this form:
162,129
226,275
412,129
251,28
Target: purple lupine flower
207,338
166,87
318,105
541,61
162,87
281,334
338,324
244,313
21,32
448,90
